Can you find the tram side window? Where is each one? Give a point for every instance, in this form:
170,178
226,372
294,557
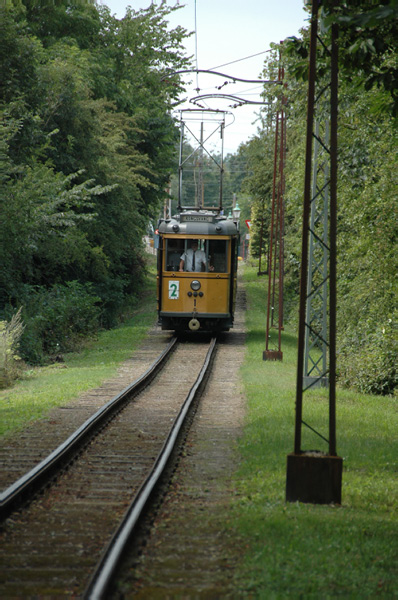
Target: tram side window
174,249
218,255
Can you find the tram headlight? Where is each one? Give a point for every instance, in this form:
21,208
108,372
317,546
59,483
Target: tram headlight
195,285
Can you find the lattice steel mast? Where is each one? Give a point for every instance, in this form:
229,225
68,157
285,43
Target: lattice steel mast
276,239
315,476
316,336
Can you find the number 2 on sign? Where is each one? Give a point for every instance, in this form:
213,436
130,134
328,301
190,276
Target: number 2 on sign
174,290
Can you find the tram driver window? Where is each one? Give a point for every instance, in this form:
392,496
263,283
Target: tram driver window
174,248
195,257
218,255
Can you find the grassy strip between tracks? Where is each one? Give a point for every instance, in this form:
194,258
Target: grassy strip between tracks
295,550
42,388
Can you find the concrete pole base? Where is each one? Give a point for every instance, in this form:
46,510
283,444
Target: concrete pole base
272,355
314,477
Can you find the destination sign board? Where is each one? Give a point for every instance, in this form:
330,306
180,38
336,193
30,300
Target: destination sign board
197,218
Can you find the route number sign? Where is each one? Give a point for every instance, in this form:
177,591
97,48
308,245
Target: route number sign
174,290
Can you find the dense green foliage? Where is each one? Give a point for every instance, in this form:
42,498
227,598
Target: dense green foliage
87,146
57,318
367,186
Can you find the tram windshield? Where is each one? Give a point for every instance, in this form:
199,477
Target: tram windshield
196,255
174,249
218,255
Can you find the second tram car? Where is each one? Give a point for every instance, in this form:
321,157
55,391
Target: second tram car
197,294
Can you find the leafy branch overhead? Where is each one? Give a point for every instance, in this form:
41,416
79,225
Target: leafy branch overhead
87,144
368,34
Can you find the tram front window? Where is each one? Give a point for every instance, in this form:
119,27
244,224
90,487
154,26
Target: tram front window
218,255
195,257
174,248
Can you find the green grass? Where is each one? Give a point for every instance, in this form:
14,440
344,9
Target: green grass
42,388
296,550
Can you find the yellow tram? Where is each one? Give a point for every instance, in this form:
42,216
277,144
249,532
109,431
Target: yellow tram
197,271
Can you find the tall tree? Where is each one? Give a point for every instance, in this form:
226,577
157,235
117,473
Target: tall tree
88,142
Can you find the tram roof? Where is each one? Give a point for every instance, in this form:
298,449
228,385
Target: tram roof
198,222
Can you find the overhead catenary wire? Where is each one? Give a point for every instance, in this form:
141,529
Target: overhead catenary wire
240,60
244,98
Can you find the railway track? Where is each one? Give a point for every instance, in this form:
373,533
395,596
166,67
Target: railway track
50,466
52,547
21,452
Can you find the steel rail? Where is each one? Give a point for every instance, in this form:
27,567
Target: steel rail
101,580
37,477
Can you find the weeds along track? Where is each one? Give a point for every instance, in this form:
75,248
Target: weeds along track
53,545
